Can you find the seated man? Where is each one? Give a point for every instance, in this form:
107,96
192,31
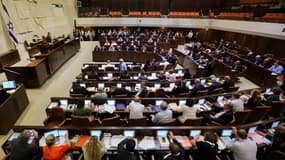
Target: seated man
180,89
222,118
126,150
236,67
136,108
228,82
92,75
215,84
197,87
81,110
236,102
163,116
100,94
125,75
143,92
122,91
77,89
276,68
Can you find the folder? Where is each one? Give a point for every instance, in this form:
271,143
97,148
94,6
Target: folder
82,140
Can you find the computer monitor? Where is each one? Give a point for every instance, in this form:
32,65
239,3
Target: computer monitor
119,85
101,85
172,85
62,133
111,102
180,72
110,75
138,86
96,133
268,90
182,102
82,85
220,98
157,85
120,106
194,133
188,83
252,129
129,133
201,101
226,132
54,132
153,74
161,133
63,102
275,124
203,81
158,102
9,84
87,102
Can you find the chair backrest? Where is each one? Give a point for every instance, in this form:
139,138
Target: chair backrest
183,95
193,121
160,93
109,68
171,122
217,91
277,108
138,122
201,93
276,155
113,121
241,117
49,122
57,113
80,121
258,113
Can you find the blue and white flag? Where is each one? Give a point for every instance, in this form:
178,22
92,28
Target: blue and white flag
9,24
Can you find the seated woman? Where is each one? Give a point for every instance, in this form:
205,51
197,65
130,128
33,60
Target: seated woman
206,149
188,110
93,149
81,110
55,152
274,96
254,100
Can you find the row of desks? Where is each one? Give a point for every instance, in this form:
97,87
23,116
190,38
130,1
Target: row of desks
35,73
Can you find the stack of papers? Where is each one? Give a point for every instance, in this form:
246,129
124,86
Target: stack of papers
184,141
147,143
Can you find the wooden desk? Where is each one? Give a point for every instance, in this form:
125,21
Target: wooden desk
9,58
12,108
34,74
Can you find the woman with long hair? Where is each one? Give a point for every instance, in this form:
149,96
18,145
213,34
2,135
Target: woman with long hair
93,149
254,100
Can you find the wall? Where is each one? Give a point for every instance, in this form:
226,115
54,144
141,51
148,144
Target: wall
31,18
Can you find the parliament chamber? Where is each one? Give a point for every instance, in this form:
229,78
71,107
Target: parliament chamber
161,73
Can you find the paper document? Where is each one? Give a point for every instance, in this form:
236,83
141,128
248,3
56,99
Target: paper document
147,143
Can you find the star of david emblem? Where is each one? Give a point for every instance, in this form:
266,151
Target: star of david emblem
10,26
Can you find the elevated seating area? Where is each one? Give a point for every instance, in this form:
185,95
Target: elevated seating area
236,15
273,17
173,14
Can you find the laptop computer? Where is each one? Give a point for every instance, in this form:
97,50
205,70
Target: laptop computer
252,129
194,133
226,135
157,105
156,85
87,102
273,126
129,133
96,133
9,84
182,102
162,138
101,85
203,81
82,85
201,101
111,102
119,85
63,103
137,87
120,106
172,85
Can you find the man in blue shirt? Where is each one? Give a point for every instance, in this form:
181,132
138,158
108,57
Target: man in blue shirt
123,65
276,69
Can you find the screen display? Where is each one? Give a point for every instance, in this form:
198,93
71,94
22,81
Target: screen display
201,101
63,102
220,98
111,102
172,85
129,133
96,133
182,102
119,85
110,74
120,106
188,83
227,133
203,81
9,84
158,102
157,85
194,133
252,129
162,133
87,102
82,85
54,132
100,85
62,133
153,74
275,124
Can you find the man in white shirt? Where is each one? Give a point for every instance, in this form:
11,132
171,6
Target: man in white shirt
237,103
243,148
136,108
164,115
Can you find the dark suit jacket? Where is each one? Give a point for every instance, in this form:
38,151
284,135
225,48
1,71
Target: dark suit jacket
228,83
144,93
79,90
21,151
199,87
120,91
215,85
124,154
237,67
180,89
225,118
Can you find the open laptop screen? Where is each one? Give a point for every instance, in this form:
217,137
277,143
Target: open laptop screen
9,84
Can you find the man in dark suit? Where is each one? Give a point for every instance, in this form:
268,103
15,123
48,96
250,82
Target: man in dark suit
215,84
126,150
198,87
180,89
237,67
143,92
122,91
228,83
77,89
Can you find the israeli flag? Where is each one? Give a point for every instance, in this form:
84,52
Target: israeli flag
9,23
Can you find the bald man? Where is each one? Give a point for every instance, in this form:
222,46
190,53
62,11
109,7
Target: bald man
136,108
